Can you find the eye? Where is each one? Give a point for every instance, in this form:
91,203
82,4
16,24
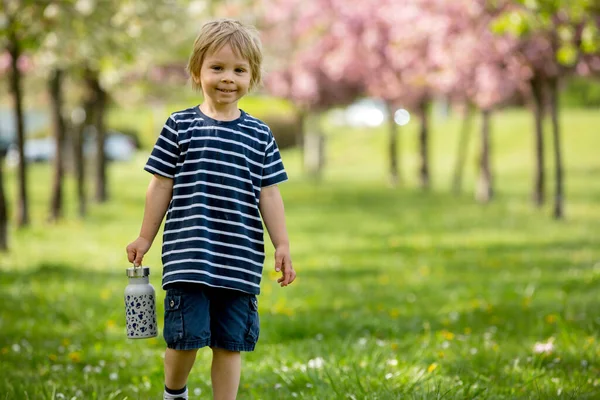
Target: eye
216,67
240,70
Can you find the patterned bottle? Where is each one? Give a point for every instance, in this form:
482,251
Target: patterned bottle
140,304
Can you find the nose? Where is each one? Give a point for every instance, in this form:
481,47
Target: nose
227,79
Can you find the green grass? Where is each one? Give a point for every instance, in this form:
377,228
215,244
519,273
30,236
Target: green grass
400,294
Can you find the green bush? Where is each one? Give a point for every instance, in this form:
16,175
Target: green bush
581,92
286,128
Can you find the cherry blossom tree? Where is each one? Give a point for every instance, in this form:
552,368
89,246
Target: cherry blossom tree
309,68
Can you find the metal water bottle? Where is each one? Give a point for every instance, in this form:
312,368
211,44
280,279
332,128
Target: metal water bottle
140,304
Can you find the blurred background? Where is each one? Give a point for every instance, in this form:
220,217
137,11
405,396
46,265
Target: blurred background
436,138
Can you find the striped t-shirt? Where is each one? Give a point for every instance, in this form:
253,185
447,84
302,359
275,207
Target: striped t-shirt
213,232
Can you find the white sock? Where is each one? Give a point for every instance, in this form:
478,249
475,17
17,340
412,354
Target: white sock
169,396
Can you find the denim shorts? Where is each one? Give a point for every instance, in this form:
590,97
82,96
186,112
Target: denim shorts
197,315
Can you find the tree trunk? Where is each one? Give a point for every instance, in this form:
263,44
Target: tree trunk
101,187
58,127
14,50
314,145
79,166
558,212
463,147
424,147
393,146
537,88
88,102
299,138
484,192
3,211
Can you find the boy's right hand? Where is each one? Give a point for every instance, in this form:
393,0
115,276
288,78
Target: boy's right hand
137,249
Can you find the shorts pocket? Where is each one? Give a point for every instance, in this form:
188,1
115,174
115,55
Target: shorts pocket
173,330
253,320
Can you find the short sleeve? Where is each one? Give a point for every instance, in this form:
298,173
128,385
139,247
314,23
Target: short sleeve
165,153
273,171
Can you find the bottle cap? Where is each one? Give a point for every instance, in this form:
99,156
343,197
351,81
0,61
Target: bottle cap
138,272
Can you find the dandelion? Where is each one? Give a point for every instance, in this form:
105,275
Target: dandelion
394,313
52,357
541,347
389,376
362,341
309,385
447,335
197,392
16,348
316,363
278,386
551,318
432,367
473,351
393,362
113,376
75,356
110,324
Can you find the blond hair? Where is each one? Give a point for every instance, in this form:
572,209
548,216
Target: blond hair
244,42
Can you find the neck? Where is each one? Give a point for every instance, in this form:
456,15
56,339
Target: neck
228,112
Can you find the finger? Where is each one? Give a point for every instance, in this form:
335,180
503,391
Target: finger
287,272
130,254
292,277
278,263
138,258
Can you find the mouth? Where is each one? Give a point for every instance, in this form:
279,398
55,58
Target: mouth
226,91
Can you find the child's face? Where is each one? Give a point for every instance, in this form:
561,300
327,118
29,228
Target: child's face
224,77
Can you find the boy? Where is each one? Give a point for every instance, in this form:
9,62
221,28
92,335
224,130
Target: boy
215,170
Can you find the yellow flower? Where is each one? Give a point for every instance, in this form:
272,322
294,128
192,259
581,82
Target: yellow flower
447,335
432,367
75,356
52,357
66,342
441,354
394,346
105,294
394,313
110,323
468,331
551,318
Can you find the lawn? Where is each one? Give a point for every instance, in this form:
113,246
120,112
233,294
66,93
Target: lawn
400,294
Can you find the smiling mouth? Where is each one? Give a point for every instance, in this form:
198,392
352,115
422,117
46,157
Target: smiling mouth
226,91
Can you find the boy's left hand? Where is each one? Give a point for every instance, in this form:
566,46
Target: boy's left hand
283,263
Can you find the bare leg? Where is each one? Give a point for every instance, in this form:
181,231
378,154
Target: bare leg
225,373
178,364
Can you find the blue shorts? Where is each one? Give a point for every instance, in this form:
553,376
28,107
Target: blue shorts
197,315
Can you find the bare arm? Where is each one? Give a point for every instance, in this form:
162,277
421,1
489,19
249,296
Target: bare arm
158,197
272,211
